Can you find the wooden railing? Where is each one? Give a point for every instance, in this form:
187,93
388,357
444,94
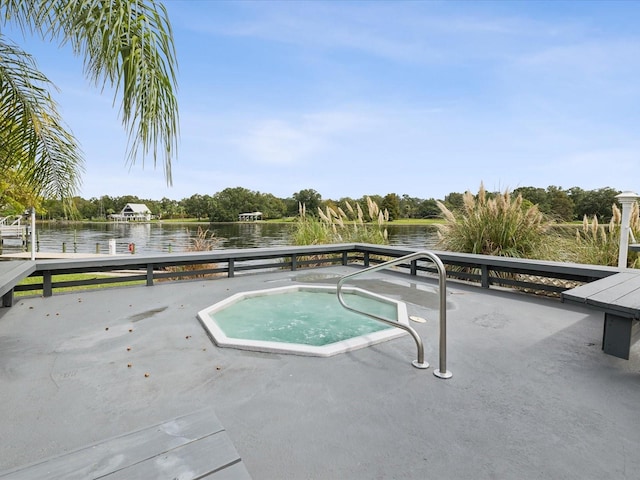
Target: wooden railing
486,271
12,227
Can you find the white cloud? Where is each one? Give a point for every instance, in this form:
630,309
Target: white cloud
280,143
296,140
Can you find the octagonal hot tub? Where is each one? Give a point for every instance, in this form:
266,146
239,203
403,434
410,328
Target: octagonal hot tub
302,320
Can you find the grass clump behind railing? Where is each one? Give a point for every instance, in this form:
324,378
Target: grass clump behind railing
600,245
338,226
500,225
203,241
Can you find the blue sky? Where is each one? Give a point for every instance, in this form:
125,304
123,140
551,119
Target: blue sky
357,98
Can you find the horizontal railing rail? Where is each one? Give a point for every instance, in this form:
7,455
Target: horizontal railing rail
489,270
485,270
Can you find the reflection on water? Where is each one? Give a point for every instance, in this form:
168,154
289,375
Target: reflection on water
165,237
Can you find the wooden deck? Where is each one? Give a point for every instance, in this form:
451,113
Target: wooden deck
193,446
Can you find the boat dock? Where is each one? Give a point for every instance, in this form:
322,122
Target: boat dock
50,255
12,227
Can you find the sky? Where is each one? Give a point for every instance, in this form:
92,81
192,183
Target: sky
354,98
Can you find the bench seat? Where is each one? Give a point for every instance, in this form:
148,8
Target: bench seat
194,446
11,273
618,296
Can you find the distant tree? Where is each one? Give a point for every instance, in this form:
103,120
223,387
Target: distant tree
343,202
377,199
596,202
107,206
153,206
86,209
291,207
391,203
169,208
197,205
559,204
230,202
578,197
96,208
428,209
53,209
409,206
329,203
535,195
365,202
454,201
271,206
308,197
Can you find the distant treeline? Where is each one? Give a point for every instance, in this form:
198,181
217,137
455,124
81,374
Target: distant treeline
225,206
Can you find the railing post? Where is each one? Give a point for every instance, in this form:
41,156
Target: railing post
627,200
294,262
230,272
7,299
414,267
484,276
366,259
47,287
345,258
150,275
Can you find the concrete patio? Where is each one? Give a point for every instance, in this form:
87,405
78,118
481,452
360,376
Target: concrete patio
532,395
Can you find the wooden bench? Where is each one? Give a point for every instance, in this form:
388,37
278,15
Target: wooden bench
11,272
618,296
193,446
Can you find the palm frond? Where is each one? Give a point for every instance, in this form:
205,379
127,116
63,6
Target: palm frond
125,44
34,142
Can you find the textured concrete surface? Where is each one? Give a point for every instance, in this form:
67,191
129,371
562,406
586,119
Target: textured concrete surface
532,395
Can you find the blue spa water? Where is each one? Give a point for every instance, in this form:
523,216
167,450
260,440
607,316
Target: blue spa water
310,318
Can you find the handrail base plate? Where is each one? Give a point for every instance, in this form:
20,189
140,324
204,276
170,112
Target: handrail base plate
422,365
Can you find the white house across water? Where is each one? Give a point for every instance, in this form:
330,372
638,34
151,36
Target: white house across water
132,212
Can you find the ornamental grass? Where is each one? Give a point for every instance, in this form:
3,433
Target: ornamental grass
600,244
203,241
340,226
500,225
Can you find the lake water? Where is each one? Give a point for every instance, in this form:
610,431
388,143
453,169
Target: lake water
152,238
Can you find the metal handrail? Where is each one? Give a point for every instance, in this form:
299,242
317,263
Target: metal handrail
442,371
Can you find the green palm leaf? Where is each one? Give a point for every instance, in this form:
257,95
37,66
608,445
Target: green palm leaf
125,44
34,142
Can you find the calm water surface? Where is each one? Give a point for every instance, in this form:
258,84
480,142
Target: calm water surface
165,237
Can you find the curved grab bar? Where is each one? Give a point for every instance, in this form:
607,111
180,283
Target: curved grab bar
442,371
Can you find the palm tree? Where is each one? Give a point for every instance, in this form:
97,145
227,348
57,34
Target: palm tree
126,44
